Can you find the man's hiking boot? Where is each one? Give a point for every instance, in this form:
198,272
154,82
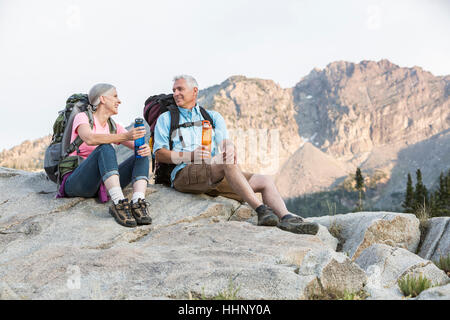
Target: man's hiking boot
140,212
122,213
266,216
296,224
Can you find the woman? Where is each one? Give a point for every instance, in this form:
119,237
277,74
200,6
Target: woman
100,164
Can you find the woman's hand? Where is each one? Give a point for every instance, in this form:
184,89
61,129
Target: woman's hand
144,150
136,133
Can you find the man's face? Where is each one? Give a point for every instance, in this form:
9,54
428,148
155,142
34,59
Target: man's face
184,96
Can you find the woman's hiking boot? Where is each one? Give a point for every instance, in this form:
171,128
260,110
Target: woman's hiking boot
140,212
122,213
266,216
296,224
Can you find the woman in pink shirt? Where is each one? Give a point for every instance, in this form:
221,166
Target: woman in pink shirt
100,164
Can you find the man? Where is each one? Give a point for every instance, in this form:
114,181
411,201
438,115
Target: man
217,172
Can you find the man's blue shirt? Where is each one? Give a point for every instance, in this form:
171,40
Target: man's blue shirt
192,136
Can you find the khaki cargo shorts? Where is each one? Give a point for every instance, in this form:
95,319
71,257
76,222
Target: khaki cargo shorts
196,178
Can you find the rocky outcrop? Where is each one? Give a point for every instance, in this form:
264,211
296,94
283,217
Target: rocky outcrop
386,265
359,230
197,246
437,241
438,293
72,248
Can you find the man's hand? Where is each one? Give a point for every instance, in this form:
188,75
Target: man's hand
229,152
201,154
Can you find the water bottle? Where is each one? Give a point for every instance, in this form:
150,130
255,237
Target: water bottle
139,122
206,135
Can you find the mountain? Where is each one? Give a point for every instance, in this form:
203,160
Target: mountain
312,169
387,120
29,155
378,116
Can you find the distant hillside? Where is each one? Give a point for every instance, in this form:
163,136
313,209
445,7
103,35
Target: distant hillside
29,155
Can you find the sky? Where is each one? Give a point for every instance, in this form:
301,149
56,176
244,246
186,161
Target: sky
50,49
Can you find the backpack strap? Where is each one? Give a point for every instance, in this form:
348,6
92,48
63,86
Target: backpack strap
175,126
174,122
112,126
206,116
75,145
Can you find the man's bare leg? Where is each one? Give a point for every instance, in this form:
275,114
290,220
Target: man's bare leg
237,182
270,195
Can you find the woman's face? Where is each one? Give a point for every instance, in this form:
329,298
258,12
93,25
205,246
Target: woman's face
112,101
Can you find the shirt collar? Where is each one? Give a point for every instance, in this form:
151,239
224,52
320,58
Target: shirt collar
195,109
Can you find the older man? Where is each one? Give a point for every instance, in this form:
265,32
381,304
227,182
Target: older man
217,172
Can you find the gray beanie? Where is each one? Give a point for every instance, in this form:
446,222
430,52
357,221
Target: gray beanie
100,89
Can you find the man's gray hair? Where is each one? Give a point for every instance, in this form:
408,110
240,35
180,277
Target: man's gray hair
190,81
100,89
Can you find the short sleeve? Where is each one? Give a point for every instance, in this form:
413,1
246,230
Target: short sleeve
220,131
80,118
162,132
120,128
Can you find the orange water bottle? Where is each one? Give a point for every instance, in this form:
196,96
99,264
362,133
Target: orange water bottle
206,135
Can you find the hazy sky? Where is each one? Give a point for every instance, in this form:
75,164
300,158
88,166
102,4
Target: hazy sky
51,49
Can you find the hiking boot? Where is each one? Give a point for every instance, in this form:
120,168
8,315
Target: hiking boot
140,212
122,214
266,216
296,224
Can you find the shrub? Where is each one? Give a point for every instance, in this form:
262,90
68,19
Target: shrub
335,294
444,264
230,293
412,286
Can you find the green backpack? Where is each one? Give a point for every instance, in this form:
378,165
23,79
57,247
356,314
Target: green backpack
57,161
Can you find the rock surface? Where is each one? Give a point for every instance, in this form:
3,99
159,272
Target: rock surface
388,264
359,230
439,293
197,246
437,242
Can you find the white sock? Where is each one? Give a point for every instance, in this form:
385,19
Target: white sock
116,194
137,196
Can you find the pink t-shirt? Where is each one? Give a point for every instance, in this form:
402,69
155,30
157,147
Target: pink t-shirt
82,118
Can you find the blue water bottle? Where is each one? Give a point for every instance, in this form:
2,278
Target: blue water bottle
139,122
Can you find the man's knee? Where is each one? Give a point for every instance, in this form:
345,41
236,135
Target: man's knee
230,167
259,182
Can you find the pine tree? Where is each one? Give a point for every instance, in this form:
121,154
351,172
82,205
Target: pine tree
421,192
408,204
439,195
359,186
445,208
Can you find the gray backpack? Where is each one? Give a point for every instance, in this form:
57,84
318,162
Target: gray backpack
57,161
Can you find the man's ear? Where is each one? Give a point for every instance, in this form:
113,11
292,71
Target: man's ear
196,91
